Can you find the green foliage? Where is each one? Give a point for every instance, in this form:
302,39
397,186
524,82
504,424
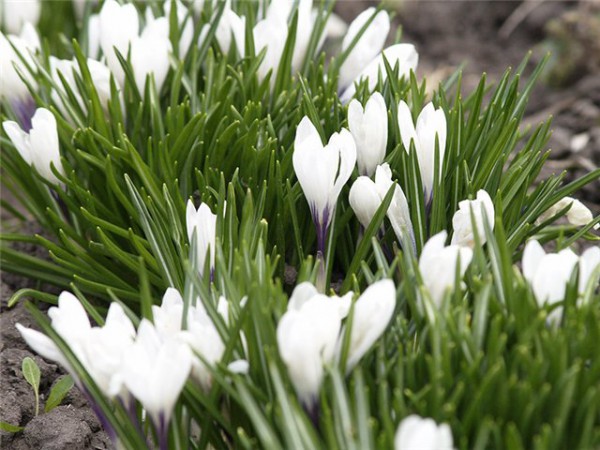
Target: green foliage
58,392
487,361
31,373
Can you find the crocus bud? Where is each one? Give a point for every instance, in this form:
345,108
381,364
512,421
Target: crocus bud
270,33
369,127
105,349
578,214
438,265
431,126
150,55
366,196
155,372
322,171
17,13
403,55
364,200
368,45
398,212
203,338
372,313
461,221
12,86
231,26
119,26
204,223
39,147
549,273
416,433
306,337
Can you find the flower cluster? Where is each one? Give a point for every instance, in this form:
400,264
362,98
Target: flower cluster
151,364
198,149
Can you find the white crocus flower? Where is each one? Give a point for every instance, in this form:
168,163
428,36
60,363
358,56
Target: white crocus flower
105,349
416,433
204,223
40,146
204,340
230,31
369,127
372,313
398,212
366,196
186,26
148,51
403,55
279,12
16,13
549,273
461,221
438,265
150,55
119,26
44,346
155,371
168,317
430,127
364,199
305,292
306,337
70,321
270,33
367,47
99,73
322,171
578,214
26,43
93,36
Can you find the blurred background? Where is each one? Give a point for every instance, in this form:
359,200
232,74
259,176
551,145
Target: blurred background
490,36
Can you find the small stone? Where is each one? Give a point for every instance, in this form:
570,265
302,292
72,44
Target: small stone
579,142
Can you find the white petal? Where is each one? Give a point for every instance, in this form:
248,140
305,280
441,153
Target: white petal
408,133
364,200
368,46
532,256
372,314
44,144
19,138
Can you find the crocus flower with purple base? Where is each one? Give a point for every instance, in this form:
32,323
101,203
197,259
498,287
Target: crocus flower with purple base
16,53
155,371
322,172
310,334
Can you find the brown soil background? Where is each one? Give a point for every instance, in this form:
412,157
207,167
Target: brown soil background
486,36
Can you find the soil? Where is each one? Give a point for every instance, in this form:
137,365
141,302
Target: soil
71,426
488,36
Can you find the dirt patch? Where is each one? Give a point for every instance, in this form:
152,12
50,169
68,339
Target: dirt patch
71,426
